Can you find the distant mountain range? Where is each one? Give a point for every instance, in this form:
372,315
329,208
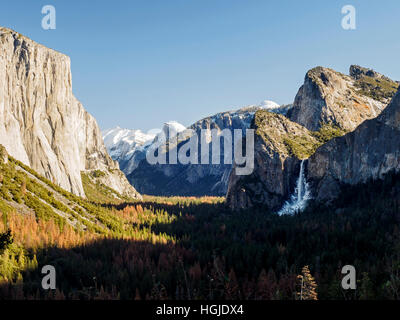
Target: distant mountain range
129,148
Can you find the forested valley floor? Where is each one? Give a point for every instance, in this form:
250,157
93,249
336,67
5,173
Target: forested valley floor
183,248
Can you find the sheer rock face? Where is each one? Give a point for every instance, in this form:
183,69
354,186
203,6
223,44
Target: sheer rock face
370,151
42,124
328,96
275,168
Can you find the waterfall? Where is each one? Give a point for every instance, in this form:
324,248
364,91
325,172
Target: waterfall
300,196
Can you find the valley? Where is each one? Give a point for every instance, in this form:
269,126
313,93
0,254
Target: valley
194,248
324,192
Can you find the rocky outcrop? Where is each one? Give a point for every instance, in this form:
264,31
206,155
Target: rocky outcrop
371,151
328,96
42,124
360,73
328,105
279,146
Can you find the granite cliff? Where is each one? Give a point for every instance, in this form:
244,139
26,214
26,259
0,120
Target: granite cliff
42,124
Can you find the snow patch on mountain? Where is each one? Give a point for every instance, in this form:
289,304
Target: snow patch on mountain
272,106
268,104
129,147
120,143
170,130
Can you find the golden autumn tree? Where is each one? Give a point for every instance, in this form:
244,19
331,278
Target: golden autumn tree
307,285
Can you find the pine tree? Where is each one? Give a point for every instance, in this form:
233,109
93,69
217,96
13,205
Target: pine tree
5,239
308,286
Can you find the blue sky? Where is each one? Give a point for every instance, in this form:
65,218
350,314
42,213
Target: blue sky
138,64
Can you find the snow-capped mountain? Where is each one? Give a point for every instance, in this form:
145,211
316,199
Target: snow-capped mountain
128,147
169,130
120,143
268,104
272,106
196,179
